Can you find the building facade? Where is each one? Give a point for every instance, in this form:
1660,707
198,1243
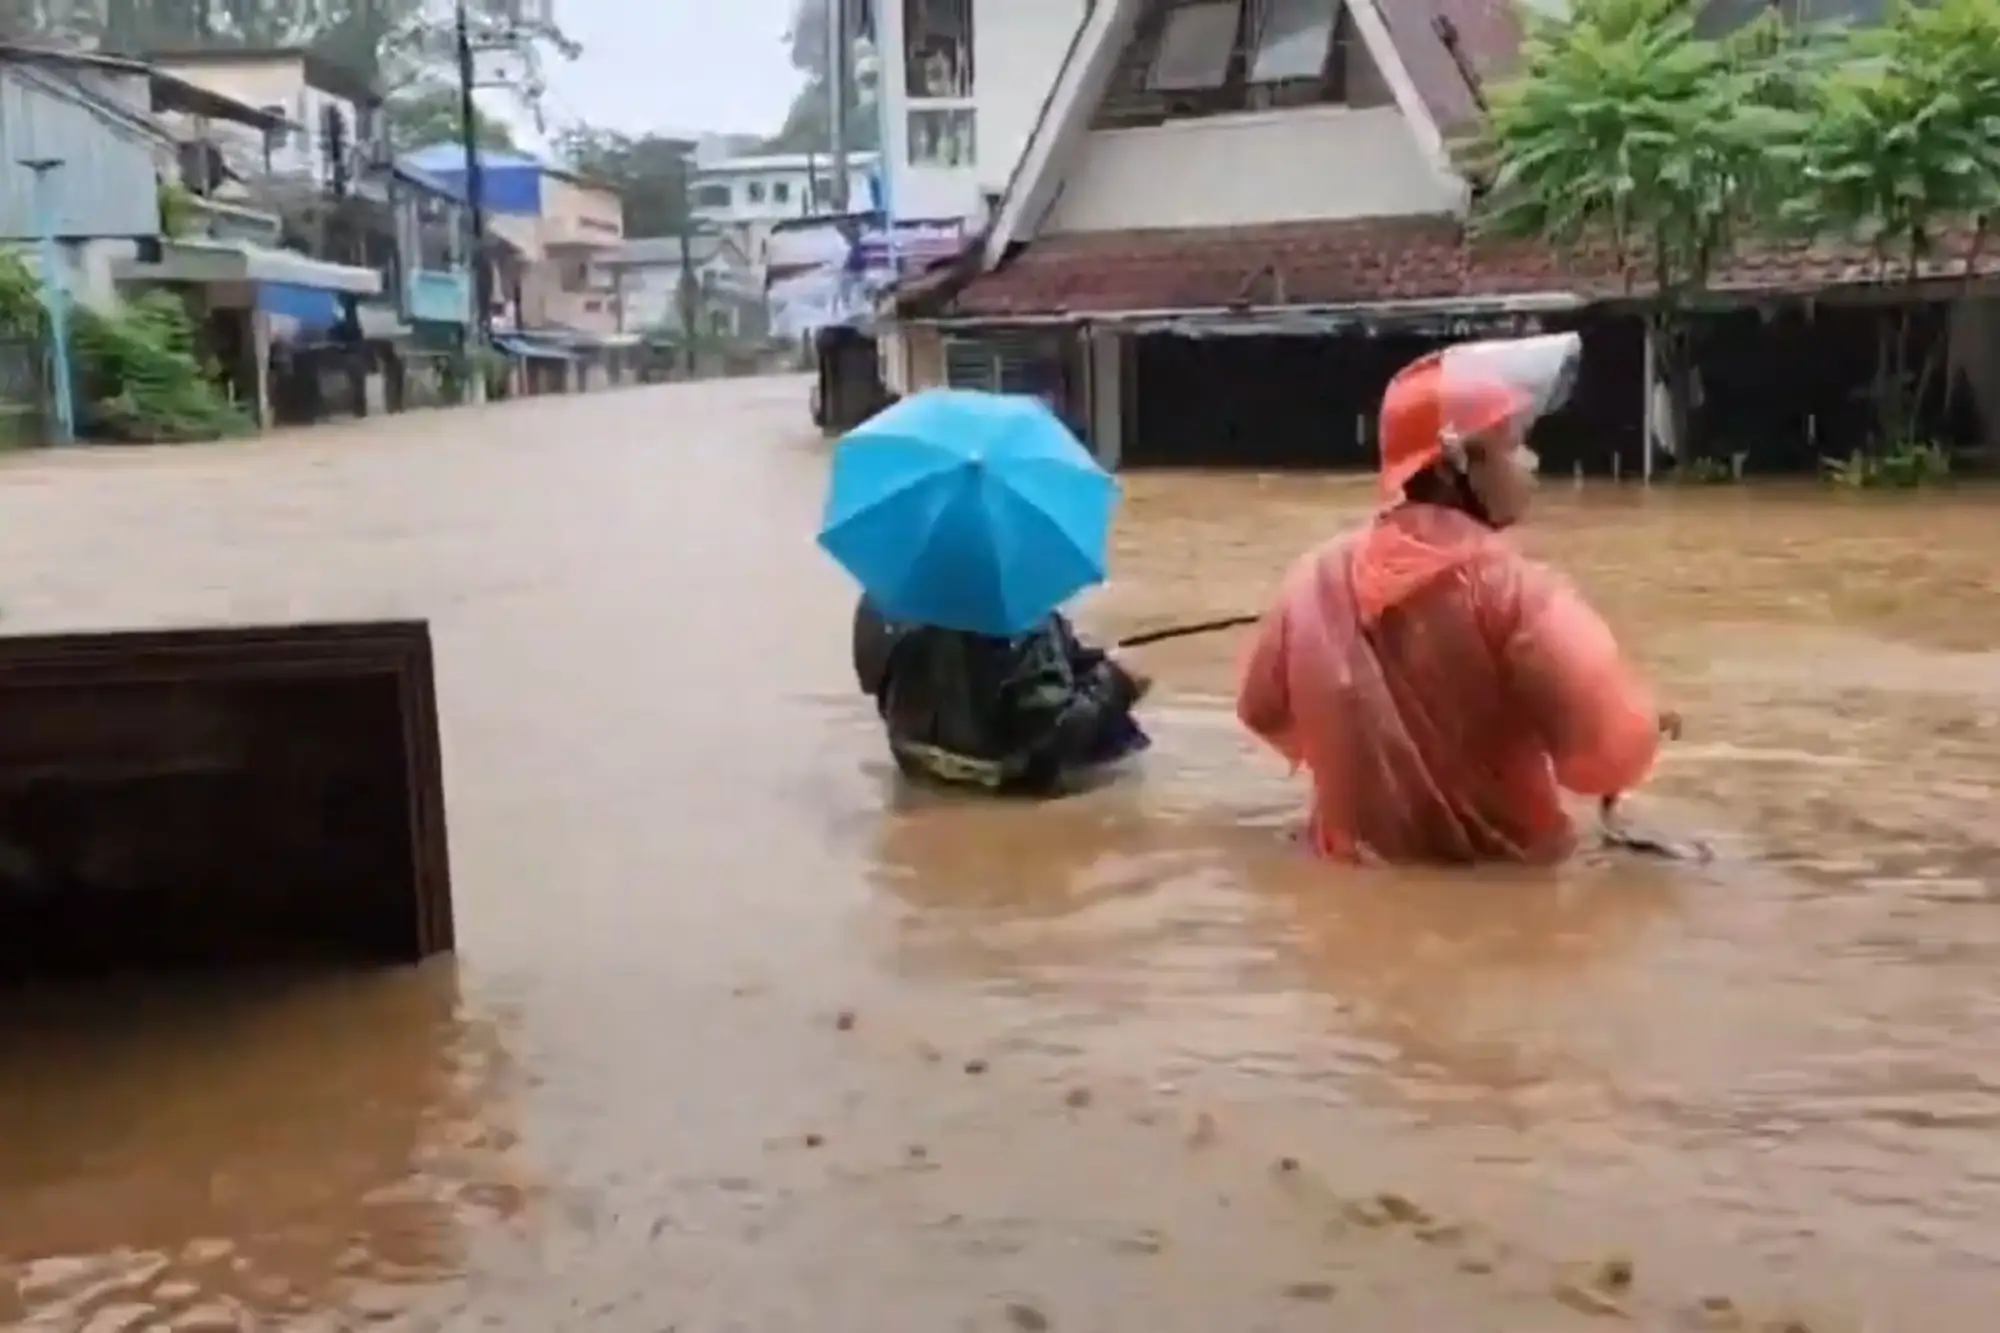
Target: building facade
959,85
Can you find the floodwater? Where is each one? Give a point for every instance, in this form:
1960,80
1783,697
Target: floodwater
739,1038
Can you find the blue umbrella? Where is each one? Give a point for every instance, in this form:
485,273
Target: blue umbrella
970,511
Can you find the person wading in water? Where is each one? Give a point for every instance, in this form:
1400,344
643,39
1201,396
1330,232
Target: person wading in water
1441,689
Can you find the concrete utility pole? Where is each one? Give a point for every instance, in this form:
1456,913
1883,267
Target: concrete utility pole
839,92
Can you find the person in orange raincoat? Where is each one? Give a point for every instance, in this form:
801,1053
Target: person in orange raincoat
1442,689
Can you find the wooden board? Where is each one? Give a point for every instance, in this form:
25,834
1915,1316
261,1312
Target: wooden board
226,790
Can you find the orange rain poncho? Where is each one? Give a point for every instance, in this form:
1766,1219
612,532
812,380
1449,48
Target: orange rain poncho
1439,686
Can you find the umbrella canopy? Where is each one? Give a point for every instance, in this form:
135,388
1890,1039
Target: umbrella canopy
968,511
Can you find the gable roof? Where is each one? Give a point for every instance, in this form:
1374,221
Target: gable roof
1419,55
1431,53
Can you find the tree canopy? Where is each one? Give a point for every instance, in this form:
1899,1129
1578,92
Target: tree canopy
432,115
808,126
649,171
1630,134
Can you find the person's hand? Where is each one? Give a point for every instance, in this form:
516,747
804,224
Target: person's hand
1670,724
1142,684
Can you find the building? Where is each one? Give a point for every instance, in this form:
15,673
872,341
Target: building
960,96
748,195
721,282
1223,237
116,135
322,164
328,126
558,233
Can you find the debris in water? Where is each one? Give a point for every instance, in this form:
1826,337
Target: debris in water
1077,1098
1442,1233
844,1020
919,1153
1287,1165
1026,1317
975,1066
1203,1132
1399,1208
815,1140
1473,1263
1586,1299
1317,1292
1146,1240
1613,1273
1718,1313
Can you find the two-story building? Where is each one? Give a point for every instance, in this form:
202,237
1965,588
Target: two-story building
321,162
1233,220
557,231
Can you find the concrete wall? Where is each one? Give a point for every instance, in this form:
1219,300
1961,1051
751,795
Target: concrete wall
1296,165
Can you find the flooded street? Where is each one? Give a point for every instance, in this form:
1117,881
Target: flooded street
741,1038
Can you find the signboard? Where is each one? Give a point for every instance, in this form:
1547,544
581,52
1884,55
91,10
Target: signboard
834,270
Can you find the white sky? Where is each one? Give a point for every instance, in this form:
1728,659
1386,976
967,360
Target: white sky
675,66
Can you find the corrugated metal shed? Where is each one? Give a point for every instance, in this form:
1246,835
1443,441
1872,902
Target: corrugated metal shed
106,185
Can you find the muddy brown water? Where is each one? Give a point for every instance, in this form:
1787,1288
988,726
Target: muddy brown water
1124,1063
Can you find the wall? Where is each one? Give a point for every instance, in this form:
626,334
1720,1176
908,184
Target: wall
1018,49
1296,165
277,85
106,185
798,201
574,213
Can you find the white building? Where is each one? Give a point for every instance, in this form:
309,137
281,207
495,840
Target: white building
962,94
723,287
748,193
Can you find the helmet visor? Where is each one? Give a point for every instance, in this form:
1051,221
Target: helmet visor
1499,388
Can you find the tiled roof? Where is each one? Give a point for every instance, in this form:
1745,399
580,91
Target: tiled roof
1348,262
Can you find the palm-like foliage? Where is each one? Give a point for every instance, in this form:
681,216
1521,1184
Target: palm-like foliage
1901,155
1629,132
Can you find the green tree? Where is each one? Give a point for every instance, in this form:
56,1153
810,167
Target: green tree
1627,136
649,171
432,115
1902,158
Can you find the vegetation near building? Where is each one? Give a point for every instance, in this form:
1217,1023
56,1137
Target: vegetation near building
1632,141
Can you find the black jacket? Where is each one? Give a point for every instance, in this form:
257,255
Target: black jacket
1001,714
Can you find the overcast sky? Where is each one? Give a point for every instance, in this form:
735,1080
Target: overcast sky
675,65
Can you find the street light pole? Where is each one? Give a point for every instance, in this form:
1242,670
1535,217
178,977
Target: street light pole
475,198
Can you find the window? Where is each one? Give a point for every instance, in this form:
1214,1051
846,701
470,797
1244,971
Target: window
754,191
714,196
937,49
942,137
575,276
781,192
1293,40
1192,58
1196,47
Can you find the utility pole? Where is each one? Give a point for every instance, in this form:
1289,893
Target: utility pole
839,85
475,198
690,287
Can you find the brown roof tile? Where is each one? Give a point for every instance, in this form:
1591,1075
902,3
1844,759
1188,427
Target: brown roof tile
1351,262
